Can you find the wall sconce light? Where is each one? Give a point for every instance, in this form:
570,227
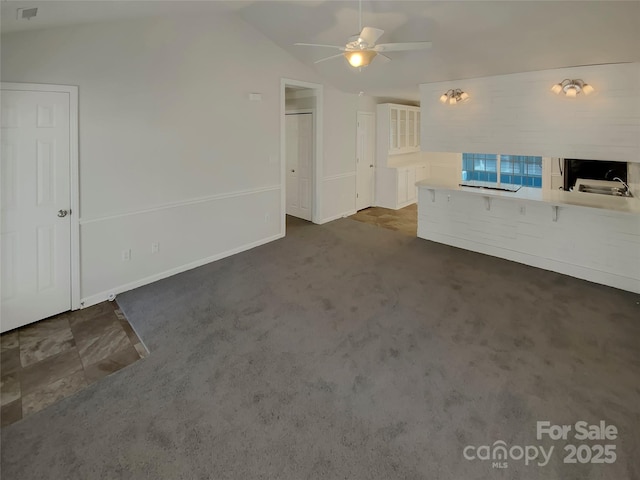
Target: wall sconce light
454,96
572,88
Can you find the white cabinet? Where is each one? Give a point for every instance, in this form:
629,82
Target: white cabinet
402,175
402,130
399,128
411,129
392,129
396,187
398,158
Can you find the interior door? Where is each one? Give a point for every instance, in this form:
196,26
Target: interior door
35,244
365,158
299,157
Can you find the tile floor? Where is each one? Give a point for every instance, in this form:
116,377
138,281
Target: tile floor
404,220
49,360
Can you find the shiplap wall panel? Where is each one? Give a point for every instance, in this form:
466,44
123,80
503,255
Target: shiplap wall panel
518,114
597,245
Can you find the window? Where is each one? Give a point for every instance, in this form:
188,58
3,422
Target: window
514,169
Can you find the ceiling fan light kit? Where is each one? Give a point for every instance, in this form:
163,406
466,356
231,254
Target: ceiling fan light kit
360,58
571,88
454,96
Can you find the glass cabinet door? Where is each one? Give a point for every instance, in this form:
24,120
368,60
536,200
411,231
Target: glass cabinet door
393,129
411,129
402,128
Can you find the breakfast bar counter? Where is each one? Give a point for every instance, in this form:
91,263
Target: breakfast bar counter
552,197
590,236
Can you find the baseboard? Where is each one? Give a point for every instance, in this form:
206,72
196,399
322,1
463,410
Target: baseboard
336,217
577,271
103,296
395,206
406,204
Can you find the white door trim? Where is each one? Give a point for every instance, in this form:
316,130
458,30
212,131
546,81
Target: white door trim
300,111
316,208
74,185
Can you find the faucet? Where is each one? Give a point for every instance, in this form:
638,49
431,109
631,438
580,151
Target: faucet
627,191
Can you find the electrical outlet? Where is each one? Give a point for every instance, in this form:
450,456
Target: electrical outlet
523,210
155,247
126,255
266,218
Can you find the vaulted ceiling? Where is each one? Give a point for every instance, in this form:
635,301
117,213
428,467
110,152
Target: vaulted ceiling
470,38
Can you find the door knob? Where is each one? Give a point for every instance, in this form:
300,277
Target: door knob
370,166
293,171
62,213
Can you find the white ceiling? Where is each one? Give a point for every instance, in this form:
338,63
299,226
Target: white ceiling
470,38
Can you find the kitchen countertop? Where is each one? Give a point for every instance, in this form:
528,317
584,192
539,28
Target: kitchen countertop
552,197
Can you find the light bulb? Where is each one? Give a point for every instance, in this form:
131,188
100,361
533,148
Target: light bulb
587,89
444,98
452,101
557,88
571,92
355,59
464,96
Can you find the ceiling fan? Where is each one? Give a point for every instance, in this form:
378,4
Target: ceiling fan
361,49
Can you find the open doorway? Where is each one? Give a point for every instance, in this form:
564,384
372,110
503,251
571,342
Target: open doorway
300,150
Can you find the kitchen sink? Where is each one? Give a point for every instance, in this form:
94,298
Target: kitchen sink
614,191
603,187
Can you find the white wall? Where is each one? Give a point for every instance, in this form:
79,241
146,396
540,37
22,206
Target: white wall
171,149
339,166
367,103
633,178
518,114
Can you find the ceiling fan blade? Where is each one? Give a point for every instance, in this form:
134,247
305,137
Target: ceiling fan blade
320,45
370,35
328,58
383,58
397,47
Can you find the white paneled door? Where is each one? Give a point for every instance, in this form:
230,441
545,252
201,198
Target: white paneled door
35,248
365,157
299,157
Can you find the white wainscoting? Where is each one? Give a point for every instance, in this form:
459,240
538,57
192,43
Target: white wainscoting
339,192
598,245
189,233
518,114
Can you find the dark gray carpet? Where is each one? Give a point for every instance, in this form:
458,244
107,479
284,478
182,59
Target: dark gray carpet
347,351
